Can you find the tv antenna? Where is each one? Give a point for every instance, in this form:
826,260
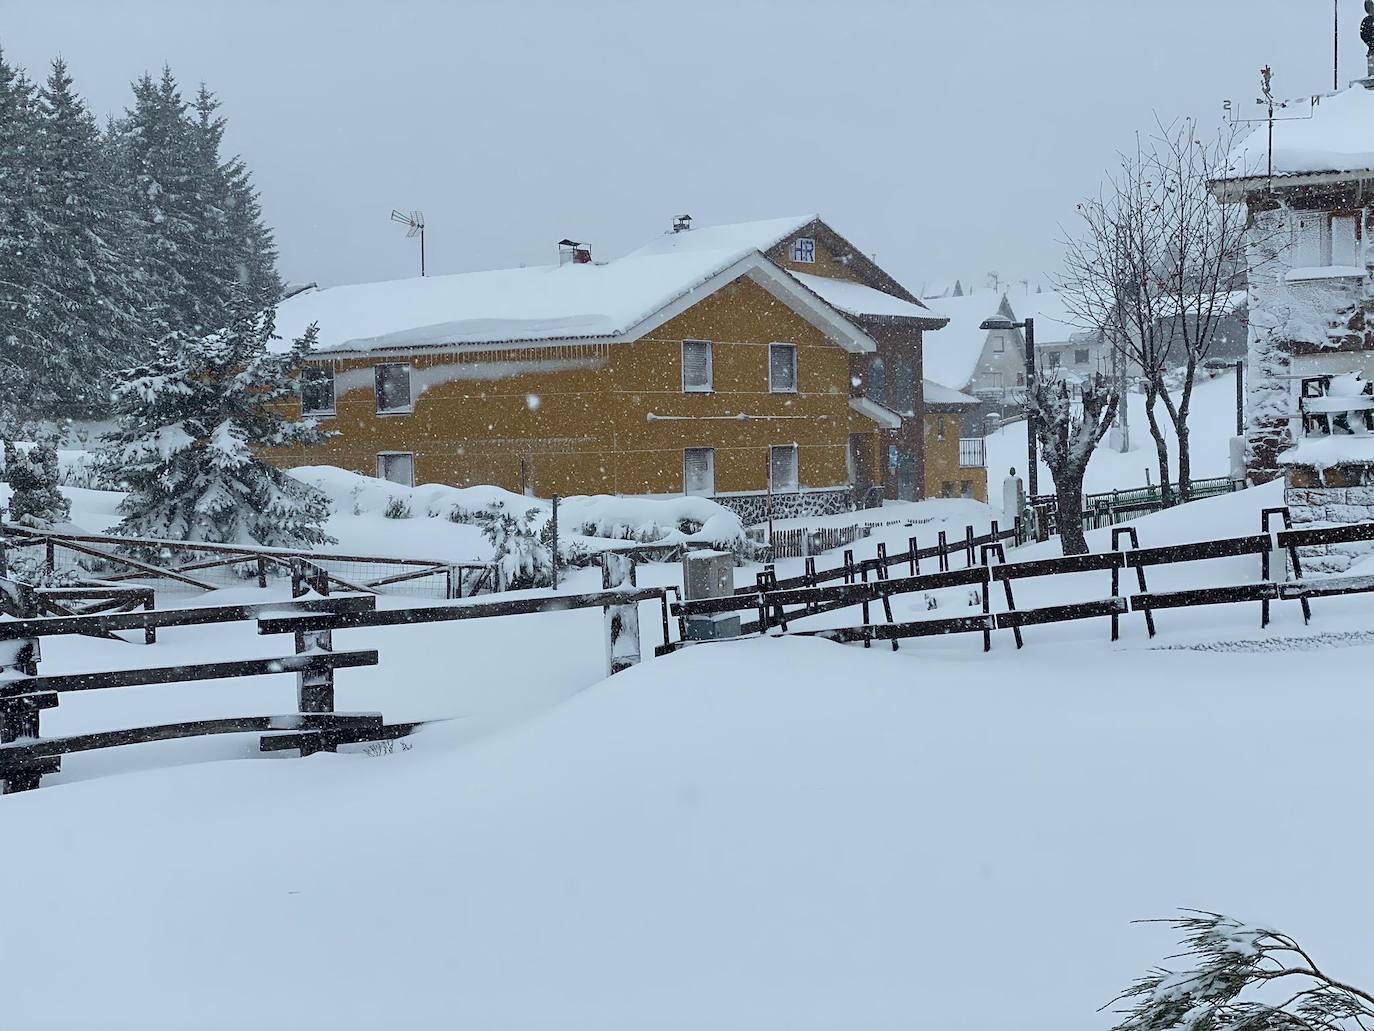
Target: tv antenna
415,223
1272,104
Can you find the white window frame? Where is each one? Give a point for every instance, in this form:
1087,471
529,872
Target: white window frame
710,453
410,387
804,250
782,488
328,370
381,475
773,388
710,386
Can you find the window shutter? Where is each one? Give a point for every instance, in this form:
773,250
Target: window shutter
698,471
696,365
1345,244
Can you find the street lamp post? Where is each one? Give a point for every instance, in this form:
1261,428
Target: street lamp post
1033,459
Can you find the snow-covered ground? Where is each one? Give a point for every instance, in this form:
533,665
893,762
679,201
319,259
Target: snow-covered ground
1212,424
770,833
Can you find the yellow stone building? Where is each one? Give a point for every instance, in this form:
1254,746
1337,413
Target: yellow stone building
749,363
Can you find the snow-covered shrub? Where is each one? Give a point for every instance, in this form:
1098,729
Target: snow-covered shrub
32,475
397,508
525,558
190,422
31,569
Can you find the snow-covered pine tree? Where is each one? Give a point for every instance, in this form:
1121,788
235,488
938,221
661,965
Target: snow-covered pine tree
156,159
1240,976
1069,424
24,385
32,475
84,297
241,254
189,423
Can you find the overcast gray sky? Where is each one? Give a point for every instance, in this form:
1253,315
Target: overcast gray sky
952,138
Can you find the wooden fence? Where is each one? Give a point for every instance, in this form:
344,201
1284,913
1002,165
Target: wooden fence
779,603
1111,508
206,567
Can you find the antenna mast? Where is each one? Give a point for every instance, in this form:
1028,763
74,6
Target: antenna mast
415,224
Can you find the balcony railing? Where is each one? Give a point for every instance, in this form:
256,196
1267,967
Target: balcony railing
972,453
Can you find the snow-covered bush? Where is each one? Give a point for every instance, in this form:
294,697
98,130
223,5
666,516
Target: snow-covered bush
525,557
189,424
398,508
32,475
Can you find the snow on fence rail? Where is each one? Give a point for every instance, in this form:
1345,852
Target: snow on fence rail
1118,506
771,598
185,565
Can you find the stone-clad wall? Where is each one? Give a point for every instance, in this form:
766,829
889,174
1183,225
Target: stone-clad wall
1331,505
753,508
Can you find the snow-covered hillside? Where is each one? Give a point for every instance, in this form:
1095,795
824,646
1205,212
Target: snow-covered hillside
1211,426
774,833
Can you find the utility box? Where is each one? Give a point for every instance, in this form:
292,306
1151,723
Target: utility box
709,574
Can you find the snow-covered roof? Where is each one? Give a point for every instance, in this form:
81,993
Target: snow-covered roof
1335,449
883,416
950,355
1338,137
612,300
942,396
857,299
1054,322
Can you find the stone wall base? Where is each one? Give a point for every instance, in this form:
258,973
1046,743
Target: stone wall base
1308,505
753,508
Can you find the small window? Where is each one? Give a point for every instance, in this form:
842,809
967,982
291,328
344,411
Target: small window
903,386
1020,379
397,466
999,344
940,428
699,471
1080,356
697,375
782,468
804,250
393,389
782,368
1052,359
876,385
994,380
317,390
946,489
966,488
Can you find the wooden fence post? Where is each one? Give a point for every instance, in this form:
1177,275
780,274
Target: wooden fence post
315,688
944,552
262,571
621,621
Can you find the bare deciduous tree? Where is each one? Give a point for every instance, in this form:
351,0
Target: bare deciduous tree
1069,424
1241,978
1154,267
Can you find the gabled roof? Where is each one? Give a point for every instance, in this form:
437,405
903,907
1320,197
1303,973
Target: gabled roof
618,300
1337,137
950,355
857,299
937,395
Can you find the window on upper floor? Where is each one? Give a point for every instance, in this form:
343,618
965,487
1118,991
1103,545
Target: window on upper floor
1322,239
317,390
782,368
393,389
940,428
875,383
999,344
1081,356
804,250
782,468
697,373
903,385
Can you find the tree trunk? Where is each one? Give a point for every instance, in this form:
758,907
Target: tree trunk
1071,512
1185,465
1166,488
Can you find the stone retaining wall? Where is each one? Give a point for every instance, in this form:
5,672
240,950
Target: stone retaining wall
753,508
1309,505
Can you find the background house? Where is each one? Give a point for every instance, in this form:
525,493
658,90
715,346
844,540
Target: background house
731,361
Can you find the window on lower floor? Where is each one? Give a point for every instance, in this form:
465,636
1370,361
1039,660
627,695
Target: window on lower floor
1052,359
1080,356
966,488
946,489
782,468
699,471
317,390
393,389
397,466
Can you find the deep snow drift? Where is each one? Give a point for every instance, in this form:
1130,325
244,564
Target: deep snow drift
768,833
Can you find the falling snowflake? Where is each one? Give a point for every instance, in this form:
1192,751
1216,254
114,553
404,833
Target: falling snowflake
532,402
